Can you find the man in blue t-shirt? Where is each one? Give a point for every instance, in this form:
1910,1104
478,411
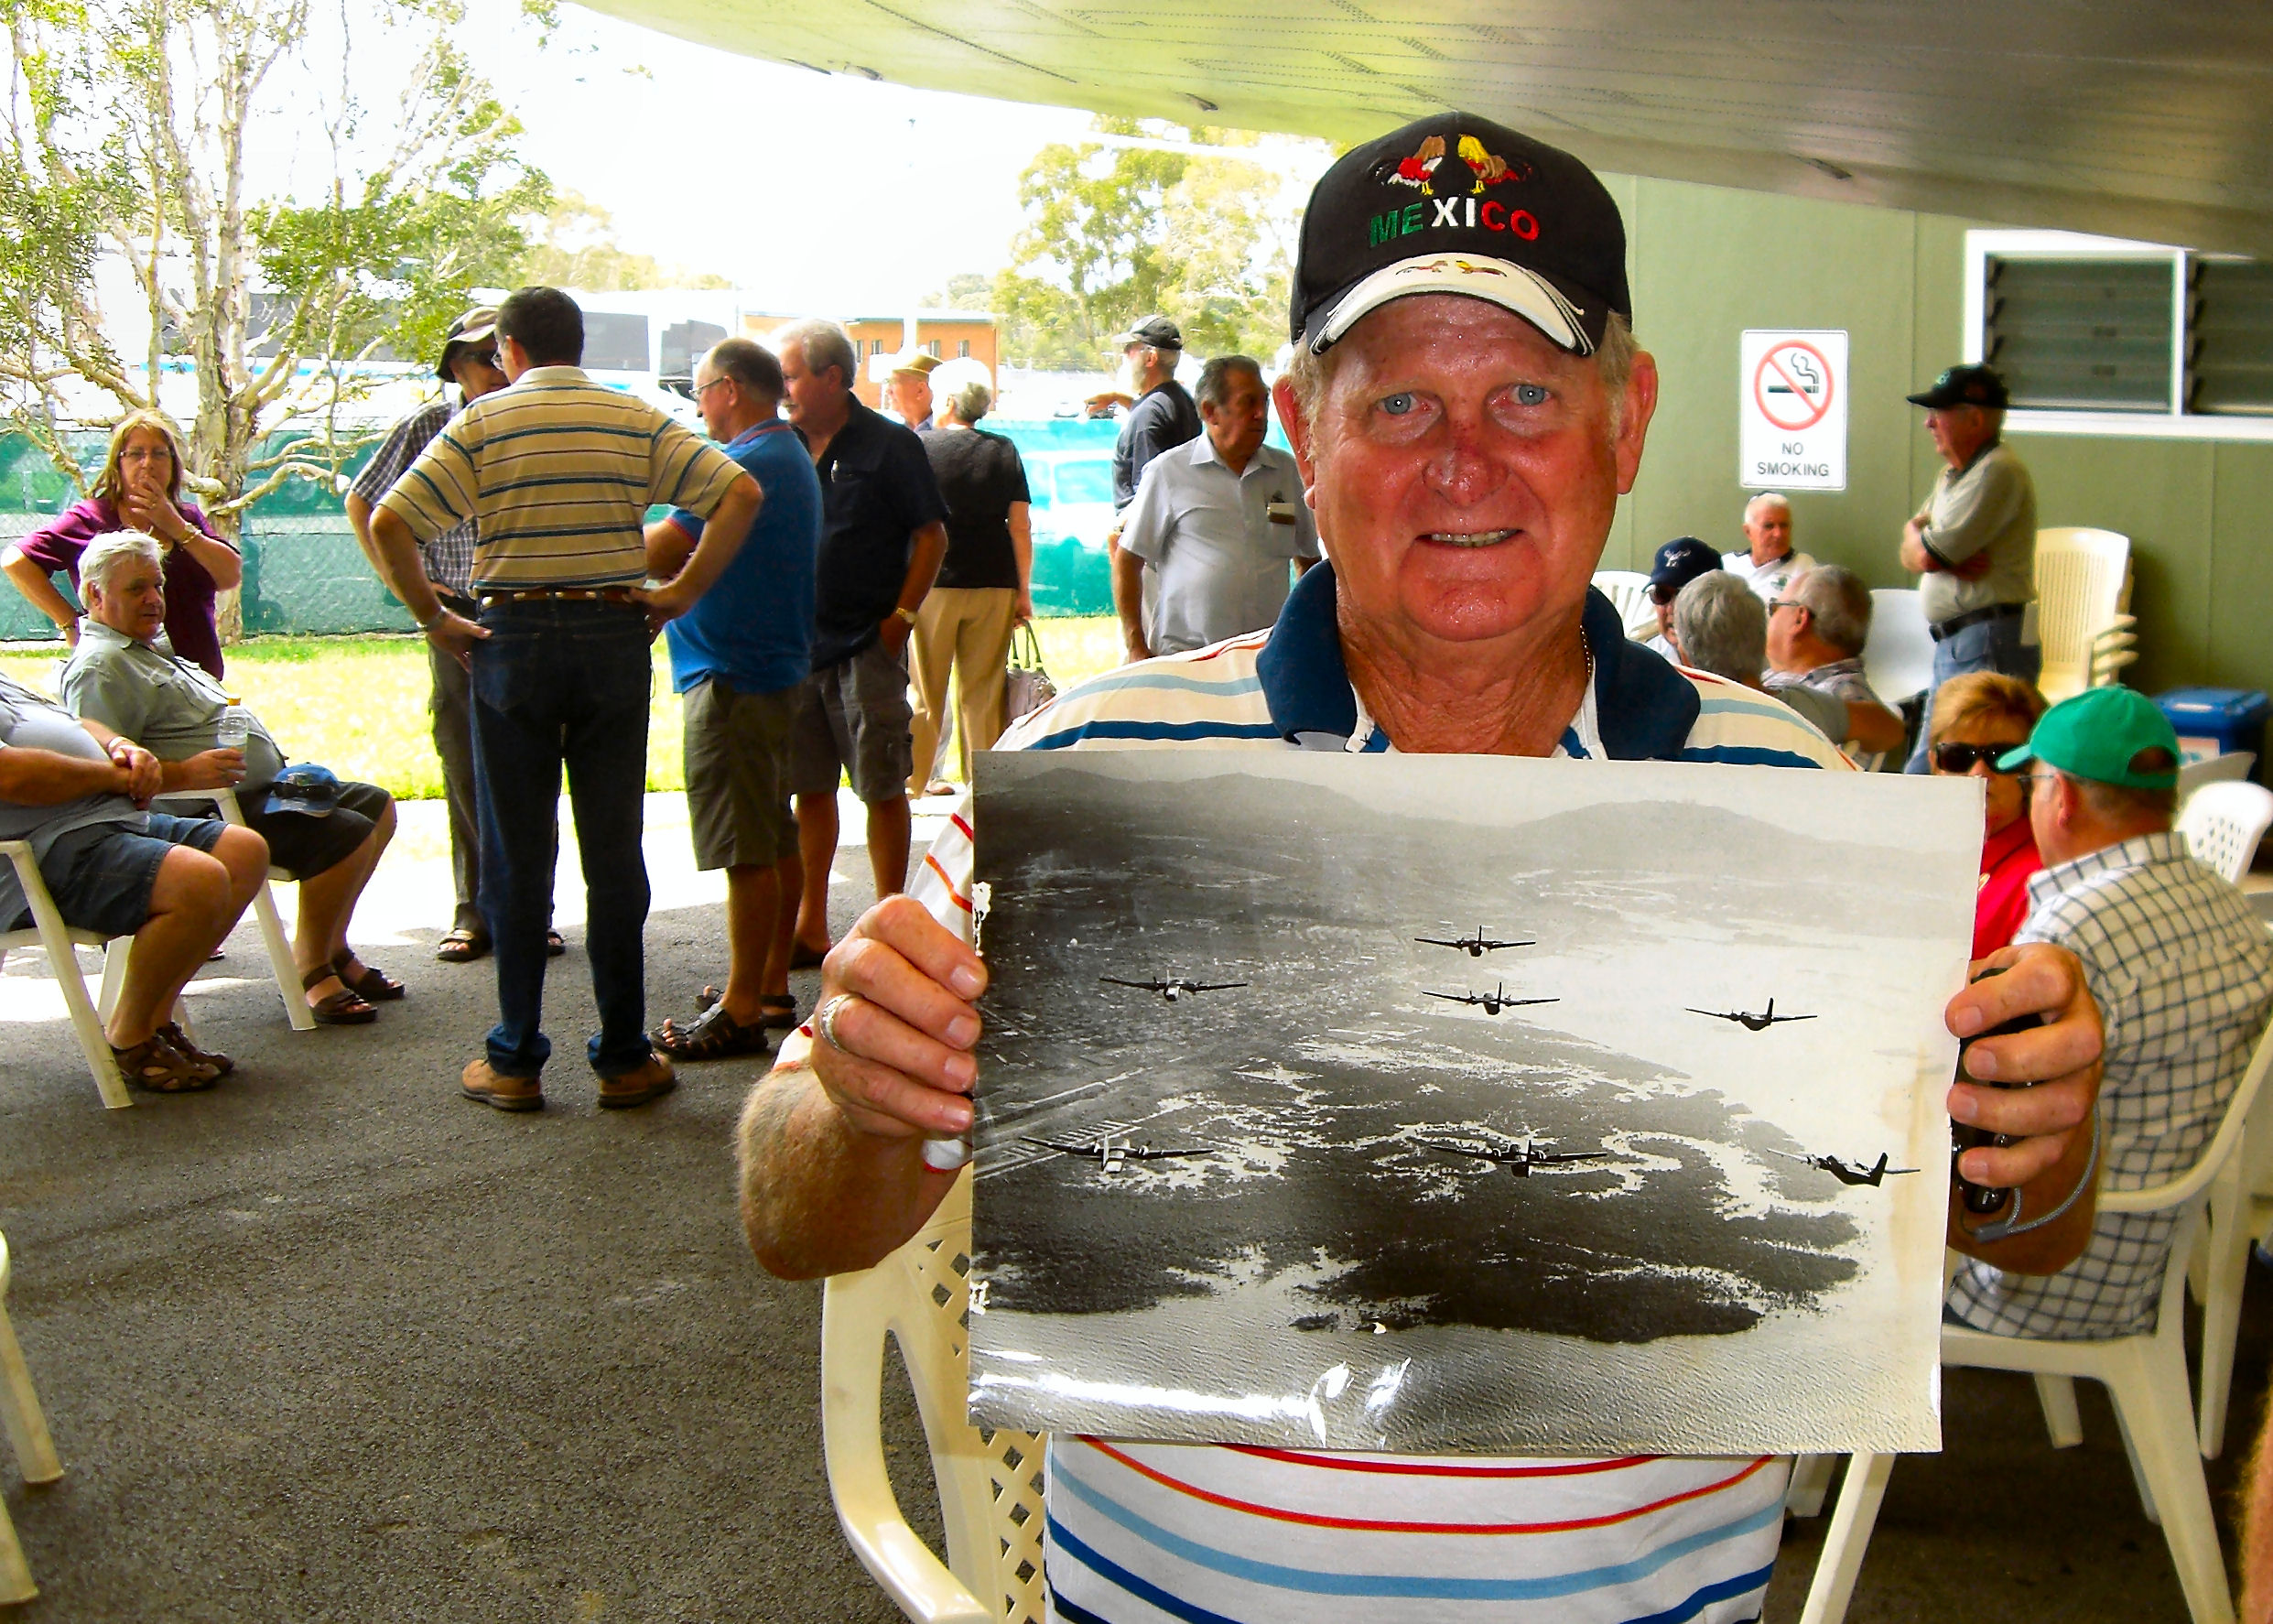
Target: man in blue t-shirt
739,659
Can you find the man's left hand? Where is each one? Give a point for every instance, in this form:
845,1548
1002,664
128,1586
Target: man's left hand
892,632
455,635
2045,1080
144,774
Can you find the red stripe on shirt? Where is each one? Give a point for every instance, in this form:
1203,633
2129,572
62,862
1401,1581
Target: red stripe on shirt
961,901
956,820
1414,1468
1365,1525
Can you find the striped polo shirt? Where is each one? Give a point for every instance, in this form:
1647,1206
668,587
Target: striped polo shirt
558,474
1198,1533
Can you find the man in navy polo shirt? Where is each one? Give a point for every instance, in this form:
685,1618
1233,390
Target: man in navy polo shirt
884,534
740,660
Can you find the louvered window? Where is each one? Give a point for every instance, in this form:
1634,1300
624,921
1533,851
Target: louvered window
2230,348
2090,335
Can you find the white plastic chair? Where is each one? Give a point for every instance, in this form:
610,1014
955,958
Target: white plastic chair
2222,824
1897,657
279,946
27,1434
2230,768
1628,592
2083,588
2241,1207
60,942
988,1483
2145,1375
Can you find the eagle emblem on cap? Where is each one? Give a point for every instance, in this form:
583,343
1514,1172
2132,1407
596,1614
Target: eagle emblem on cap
1488,167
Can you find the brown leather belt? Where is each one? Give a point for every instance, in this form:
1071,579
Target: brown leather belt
560,595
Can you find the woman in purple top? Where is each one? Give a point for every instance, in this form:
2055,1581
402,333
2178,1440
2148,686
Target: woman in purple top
139,489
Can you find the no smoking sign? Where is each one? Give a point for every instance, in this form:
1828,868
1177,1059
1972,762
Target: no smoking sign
1792,411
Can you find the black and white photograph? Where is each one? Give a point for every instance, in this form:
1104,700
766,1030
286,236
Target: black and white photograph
1465,1104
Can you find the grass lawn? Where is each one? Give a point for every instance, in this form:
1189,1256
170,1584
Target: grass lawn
358,705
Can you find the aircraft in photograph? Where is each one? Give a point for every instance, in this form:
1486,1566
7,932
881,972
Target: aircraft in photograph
1748,1019
1112,1153
1848,1172
1476,946
1174,988
1517,1158
1491,1003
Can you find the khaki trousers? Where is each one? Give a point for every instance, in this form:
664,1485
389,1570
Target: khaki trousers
969,628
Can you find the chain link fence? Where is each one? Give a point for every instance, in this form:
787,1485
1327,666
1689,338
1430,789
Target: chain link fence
305,575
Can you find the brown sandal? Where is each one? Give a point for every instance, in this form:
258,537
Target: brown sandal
156,1067
779,1010
343,1008
370,984
172,1033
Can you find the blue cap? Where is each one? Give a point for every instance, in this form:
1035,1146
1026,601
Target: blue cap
310,789
1681,560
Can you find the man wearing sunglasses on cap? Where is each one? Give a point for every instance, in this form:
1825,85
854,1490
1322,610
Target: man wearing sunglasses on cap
1679,562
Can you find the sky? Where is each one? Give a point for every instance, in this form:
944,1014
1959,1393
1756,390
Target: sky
817,190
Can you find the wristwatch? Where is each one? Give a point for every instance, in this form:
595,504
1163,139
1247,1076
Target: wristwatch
905,612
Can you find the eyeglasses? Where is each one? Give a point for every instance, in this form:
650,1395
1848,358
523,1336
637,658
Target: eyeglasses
1776,604
483,357
1962,758
700,389
1661,594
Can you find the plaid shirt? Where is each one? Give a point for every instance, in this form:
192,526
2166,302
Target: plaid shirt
2182,971
449,555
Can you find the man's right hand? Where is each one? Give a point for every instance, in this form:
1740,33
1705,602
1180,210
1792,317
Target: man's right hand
212,769
902,1066
455,635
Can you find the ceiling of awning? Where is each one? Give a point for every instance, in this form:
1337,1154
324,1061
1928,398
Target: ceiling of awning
2136,120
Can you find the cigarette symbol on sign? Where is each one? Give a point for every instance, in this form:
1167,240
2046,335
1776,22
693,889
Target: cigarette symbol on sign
1792,386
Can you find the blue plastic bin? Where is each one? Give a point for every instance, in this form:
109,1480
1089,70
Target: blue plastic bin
2216,721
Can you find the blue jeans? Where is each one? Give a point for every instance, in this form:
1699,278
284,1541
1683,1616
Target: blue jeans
1989,645
559,684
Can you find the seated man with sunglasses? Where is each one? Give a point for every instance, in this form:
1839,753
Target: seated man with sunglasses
1816,630
1977,717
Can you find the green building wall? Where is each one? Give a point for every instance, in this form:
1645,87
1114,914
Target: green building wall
1706,264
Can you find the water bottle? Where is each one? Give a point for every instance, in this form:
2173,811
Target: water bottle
234,727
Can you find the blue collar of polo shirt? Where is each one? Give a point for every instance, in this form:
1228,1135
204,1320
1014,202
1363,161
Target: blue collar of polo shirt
1643,708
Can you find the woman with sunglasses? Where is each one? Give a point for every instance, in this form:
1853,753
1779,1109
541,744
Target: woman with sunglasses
1976,719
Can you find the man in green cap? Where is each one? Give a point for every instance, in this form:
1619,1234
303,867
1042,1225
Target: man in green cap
2182,971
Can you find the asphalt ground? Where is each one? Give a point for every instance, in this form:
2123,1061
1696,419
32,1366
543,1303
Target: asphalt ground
331,1342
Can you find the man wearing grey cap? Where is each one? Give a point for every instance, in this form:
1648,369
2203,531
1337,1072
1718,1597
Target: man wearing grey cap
1164,417
469,360
1466,405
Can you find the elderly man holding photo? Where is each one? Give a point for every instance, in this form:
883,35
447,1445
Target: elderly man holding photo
1466,405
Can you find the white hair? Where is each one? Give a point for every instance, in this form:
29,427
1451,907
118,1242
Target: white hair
824,344
1721,626
106,552
1766,499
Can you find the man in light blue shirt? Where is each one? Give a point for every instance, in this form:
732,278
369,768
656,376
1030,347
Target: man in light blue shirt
1206,545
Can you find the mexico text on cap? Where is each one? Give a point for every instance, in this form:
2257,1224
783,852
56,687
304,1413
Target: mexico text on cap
1458,204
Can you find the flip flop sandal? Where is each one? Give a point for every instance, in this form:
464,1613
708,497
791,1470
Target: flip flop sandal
781,1013
343,1008
712,1035
370,984
156,1067
172,1033
554,945
461,946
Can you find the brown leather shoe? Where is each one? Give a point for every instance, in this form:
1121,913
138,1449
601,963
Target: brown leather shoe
484,1083
651,1081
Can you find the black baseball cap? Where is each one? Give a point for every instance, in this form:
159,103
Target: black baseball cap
1157,331
1459,204
1681,560
1964,386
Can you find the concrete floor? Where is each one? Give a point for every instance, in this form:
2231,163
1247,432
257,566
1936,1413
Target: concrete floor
331,1343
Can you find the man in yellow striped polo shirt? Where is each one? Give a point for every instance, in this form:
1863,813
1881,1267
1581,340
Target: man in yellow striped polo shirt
558,472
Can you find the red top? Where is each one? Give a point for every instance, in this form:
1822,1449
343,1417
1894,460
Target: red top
2008,857
189,589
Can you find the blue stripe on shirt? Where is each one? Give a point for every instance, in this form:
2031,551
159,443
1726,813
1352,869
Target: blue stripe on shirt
1745,755
1153,730
1428,1587
1163,681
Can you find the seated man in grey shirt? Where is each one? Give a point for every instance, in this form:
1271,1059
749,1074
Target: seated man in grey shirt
72,790
1816,629
1214,523
326,834
1721,626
